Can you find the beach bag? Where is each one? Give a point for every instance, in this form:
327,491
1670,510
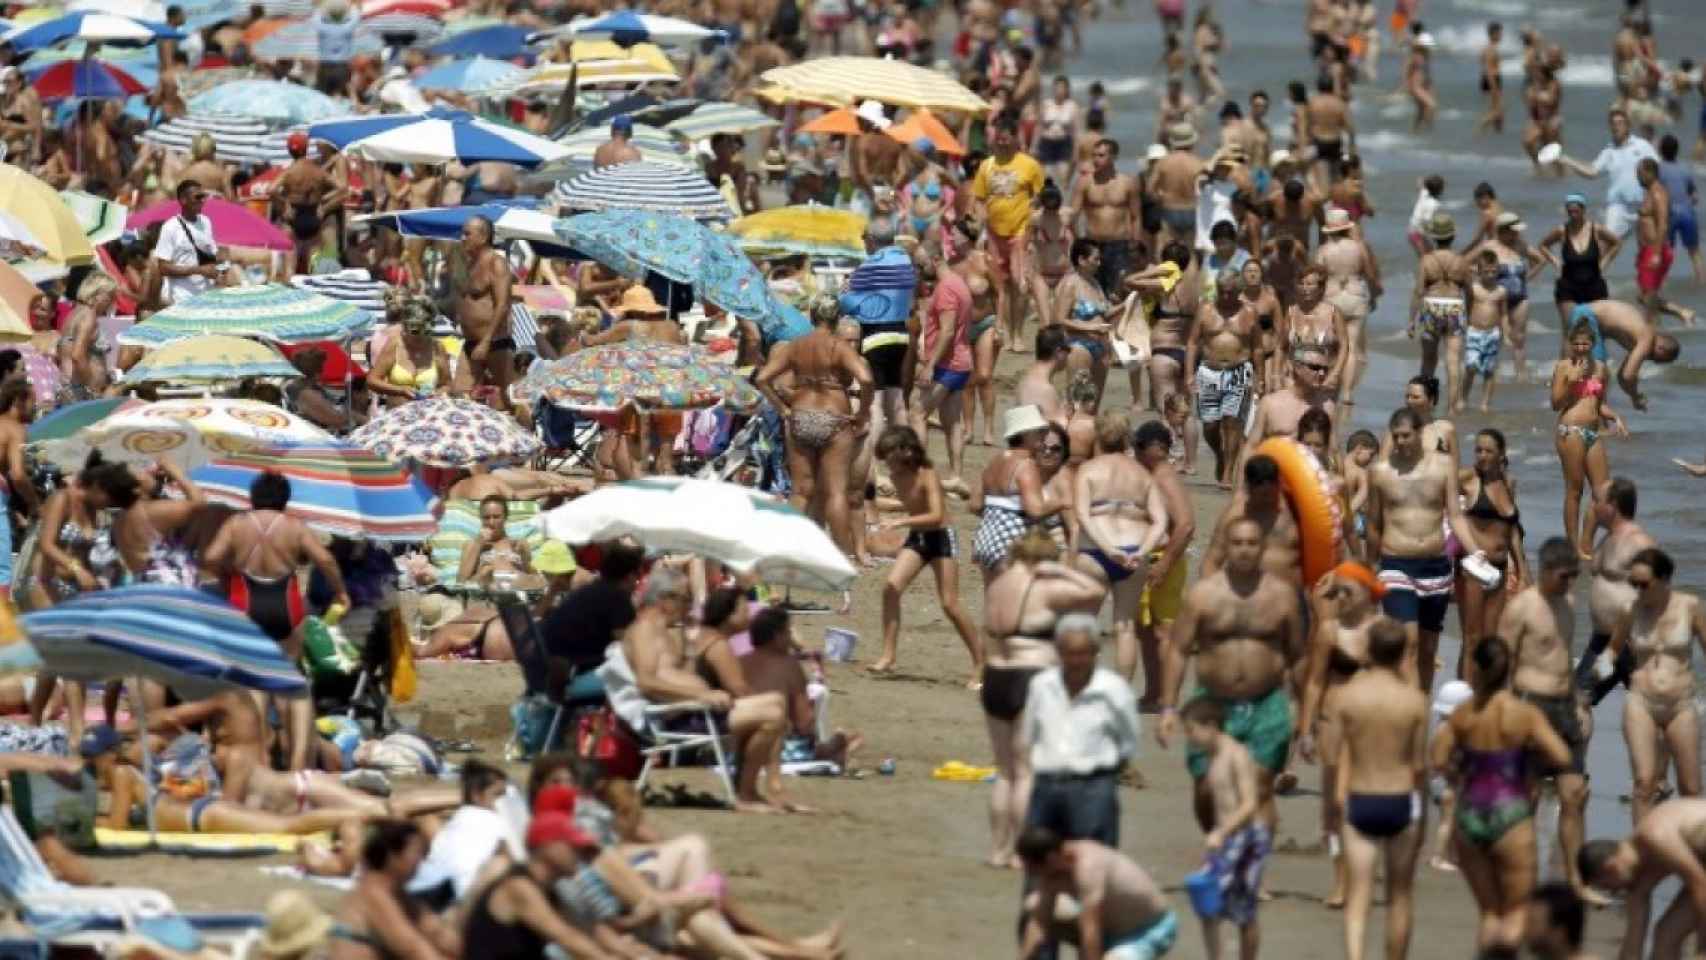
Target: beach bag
601,736
403,677
530,723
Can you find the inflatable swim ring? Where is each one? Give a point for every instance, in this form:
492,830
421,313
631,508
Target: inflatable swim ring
1308,489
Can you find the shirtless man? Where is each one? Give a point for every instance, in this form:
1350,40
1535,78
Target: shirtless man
1652,232
1121,909
482,311
300,200
1168,569
1661,632
1220,372
1410,493
618,149
17,411
1258,139
1263,501
1327,125
1440,301
1629,326
1173,184
1175,108
259,554
663,675
1539,623
1610,598
1036,384
1112,207
1382,722
1306,389
1246,630
1492,84
1296,211
1669,841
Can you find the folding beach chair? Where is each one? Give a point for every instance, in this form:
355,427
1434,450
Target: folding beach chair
581,690
654,725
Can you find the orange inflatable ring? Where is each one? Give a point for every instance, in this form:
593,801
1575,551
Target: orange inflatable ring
1309,489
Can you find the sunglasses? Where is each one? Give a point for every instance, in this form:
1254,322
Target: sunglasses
1315,367
1051,448
1640,584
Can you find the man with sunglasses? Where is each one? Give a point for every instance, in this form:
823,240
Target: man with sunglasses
1278,413
1539,624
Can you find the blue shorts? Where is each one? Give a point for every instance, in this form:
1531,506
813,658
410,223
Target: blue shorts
954,380
1685,228
5,543
1144,943
1418,590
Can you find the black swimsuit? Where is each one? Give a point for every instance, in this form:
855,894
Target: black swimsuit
1579,276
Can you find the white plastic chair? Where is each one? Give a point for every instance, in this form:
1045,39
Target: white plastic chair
649,721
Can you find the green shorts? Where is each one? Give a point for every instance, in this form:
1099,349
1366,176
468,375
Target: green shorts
1264,726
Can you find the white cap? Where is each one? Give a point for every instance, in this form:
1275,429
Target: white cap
1452,694
872,113
1425,40
1156,151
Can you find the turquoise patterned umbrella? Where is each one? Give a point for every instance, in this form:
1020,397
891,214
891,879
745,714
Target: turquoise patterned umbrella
656,376
275,101
271,312
445,432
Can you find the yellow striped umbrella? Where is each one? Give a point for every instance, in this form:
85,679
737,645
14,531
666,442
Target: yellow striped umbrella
841,79
39,207
810,230
210,358
16,292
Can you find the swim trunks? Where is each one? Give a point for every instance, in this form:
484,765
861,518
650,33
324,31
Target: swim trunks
1143,943
1481,350
1566,723
1418,590
1441,317
1238,866
1221,394
1651,267
1263,725
1161,602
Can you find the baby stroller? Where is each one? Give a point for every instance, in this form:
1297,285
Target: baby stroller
349,667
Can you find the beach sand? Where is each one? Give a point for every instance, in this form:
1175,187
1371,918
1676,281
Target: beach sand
900,857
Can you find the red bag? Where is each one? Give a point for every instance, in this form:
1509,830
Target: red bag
600,735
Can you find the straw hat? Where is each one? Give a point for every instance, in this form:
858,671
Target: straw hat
1181,136
1510,219
639,299
1023,419
1338,220
294,925
1229,154
1441,227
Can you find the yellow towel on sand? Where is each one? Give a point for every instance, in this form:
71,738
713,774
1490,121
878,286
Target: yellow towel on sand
959,772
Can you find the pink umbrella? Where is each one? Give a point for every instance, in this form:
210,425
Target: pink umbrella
43,375
233,224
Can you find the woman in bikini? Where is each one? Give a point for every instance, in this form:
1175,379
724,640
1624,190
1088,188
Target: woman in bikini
493,560
1491,749
1579,395
412,363
1352,286
1313,322
82,350
1058,475
1488,492
1260,297
1020,607
1659,720
1081,308
1122,518
1582,248
1170,326
823,432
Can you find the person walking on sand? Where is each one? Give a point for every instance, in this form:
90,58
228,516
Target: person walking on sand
1168,567
1538,626
1122,518
1122,912
1245,628
1610,598
1003,190
930,542
1237,846
1669,841
1382,770
1220,371
1484,749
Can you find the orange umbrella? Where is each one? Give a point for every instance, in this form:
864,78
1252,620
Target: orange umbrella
840,122
923,123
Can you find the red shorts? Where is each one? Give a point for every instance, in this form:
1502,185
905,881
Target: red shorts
1002,252
1651,267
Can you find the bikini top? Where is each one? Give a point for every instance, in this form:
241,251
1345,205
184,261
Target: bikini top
1591,387
1674,642
1484,509
424,378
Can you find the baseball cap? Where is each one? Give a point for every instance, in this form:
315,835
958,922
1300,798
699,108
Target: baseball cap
297,143
549,828
556,799
97,740
623,123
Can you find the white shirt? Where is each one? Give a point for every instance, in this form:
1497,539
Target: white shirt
1426,206
179,239
464,844
1092,732
1619,162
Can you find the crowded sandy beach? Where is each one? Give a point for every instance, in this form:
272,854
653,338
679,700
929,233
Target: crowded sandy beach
822,479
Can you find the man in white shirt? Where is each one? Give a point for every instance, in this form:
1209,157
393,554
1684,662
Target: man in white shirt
1081,728
188,257
1618,162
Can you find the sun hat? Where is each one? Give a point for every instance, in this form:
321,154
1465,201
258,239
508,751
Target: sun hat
1155,152
1452,694
639,299
872,113
553,558
1181,136
1338,220
1023,419
1511,220
549,828
1442,227
294,925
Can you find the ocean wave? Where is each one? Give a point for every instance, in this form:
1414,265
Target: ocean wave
1496,8
1583,70
1121,87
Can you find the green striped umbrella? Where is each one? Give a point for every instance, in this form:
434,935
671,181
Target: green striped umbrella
713,118
274,312
102,220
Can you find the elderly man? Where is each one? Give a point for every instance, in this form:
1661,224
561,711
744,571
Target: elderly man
663,675
1080,729
879,295
1618,163
482,310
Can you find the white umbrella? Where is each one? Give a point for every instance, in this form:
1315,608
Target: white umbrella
745,529
446,139
16,237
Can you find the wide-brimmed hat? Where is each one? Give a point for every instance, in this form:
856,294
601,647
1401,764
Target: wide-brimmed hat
1023,419
1441,227
639,299
1155,152
1181,136
1338,220
294,925
1511,220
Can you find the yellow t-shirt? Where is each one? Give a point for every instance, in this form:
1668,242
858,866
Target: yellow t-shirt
1008,189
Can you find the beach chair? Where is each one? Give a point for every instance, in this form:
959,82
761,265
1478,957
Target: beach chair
651,722
583,689
569,440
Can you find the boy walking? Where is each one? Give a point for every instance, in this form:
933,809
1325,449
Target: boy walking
1238,844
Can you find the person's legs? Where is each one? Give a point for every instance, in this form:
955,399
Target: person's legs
1682,735
1642,737
954,438
1674,928
906,567
1571,454
1480,873
1004,795
1127,595
1430,355
946,570
757,720
982,385
802,472
1402,852
1231,441
1572,824
1519,340
1597,471
1513,857
1356,358
832,473
1453,363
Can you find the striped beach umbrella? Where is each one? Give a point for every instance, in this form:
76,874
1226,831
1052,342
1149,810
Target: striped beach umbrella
88,79
446,432
713,118
445,136
272,312
235,139
660,187
272,101
655,146
355,287
71,419
209,359
497,40
102,220
479,73
626,28
844,79
339,489
88,26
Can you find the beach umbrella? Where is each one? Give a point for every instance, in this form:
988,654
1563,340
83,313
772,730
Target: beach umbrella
191,640
709,119
102,27
844,79
654,145
102,220
272,312
355,287
923,125
479,73
198,14
654,376
16,294
189,433
437,223
274,101
235,139
499,41
662,187
626,28
234,224
840,122
642,108
64,422
88,79
211,358
445,136
43,373
419,29
38,207
682,250
337,488
289,39
446,432
420,8
594,63
16,237
805,230
738,526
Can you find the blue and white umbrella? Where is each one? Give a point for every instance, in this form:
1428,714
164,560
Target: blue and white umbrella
479,73
498,40
301,41
626,28
103,27
660,187
654,145
439,223
272,101
709,119
444,136
235,139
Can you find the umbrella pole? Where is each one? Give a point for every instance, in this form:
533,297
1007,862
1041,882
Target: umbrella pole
151,789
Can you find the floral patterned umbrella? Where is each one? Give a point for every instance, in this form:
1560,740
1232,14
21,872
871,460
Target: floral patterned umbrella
189,433
446,432
44,376
653,375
